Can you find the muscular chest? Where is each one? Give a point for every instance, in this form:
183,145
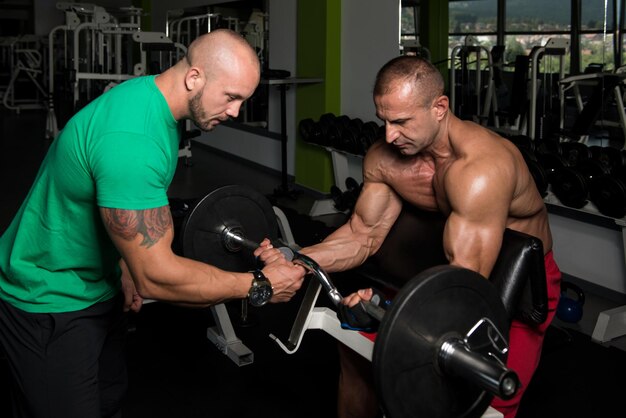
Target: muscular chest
417,183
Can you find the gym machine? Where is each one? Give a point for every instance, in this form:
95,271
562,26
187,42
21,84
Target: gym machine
451,364
94,46
185,29
24,90
532,74
554,47
606,90
466,97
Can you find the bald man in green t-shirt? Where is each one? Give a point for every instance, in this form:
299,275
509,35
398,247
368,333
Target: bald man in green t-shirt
93,237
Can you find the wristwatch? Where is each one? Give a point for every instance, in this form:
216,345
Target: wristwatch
261,290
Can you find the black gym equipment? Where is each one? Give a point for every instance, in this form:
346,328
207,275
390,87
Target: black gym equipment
442,327
454,319
608,193
342,133
570,309
575,152
579,174
570,187
227,226
229,209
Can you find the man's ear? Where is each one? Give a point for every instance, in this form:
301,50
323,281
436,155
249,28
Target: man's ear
441,106
192,78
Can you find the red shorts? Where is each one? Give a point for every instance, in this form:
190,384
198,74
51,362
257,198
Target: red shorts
525,341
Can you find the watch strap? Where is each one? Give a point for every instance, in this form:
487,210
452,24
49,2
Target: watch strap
258,276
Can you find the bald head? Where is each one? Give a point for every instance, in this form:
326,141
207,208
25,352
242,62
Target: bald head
221,50
209,85
424,79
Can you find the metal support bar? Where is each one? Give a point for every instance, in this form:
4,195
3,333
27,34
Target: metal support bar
222,335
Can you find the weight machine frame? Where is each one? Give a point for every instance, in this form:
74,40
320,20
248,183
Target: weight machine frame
25,58
554,47
490,102
595,79
104,36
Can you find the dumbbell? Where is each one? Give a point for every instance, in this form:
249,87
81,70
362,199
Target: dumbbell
310,131
572,185
551,162
608,193
329,129
369,134
610,157
575,152
346,201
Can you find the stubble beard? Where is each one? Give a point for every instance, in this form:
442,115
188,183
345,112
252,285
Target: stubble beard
198,114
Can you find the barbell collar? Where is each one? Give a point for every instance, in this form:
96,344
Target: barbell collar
234,239
455,358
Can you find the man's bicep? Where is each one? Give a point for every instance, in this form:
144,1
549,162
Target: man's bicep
146,227
474,229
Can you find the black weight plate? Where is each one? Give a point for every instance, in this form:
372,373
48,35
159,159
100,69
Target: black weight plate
612,158
591,169
575,152
441,301
608,193
357,123
551,162
232,206
570,187
595,151
307,129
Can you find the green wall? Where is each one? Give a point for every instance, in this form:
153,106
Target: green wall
433,28
318,56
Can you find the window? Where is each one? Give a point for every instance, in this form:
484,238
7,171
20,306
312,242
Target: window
534,16
597,24
473,17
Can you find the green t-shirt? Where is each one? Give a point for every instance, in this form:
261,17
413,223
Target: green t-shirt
120,151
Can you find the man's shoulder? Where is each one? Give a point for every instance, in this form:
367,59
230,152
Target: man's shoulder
380,152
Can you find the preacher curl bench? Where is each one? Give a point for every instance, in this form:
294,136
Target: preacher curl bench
441,347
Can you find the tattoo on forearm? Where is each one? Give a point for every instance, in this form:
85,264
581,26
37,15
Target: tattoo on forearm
152,224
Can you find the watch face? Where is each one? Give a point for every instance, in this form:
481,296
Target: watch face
260,295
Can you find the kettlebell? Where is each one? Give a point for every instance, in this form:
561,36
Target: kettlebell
570,309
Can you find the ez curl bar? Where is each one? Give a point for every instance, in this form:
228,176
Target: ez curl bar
441,347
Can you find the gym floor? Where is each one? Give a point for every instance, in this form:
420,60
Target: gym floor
175,371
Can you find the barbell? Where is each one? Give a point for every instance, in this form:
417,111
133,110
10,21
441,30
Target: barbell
441,347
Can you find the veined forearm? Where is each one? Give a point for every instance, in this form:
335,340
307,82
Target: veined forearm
339,254
187,281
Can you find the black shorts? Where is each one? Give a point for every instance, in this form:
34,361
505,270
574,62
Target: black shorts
70,364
